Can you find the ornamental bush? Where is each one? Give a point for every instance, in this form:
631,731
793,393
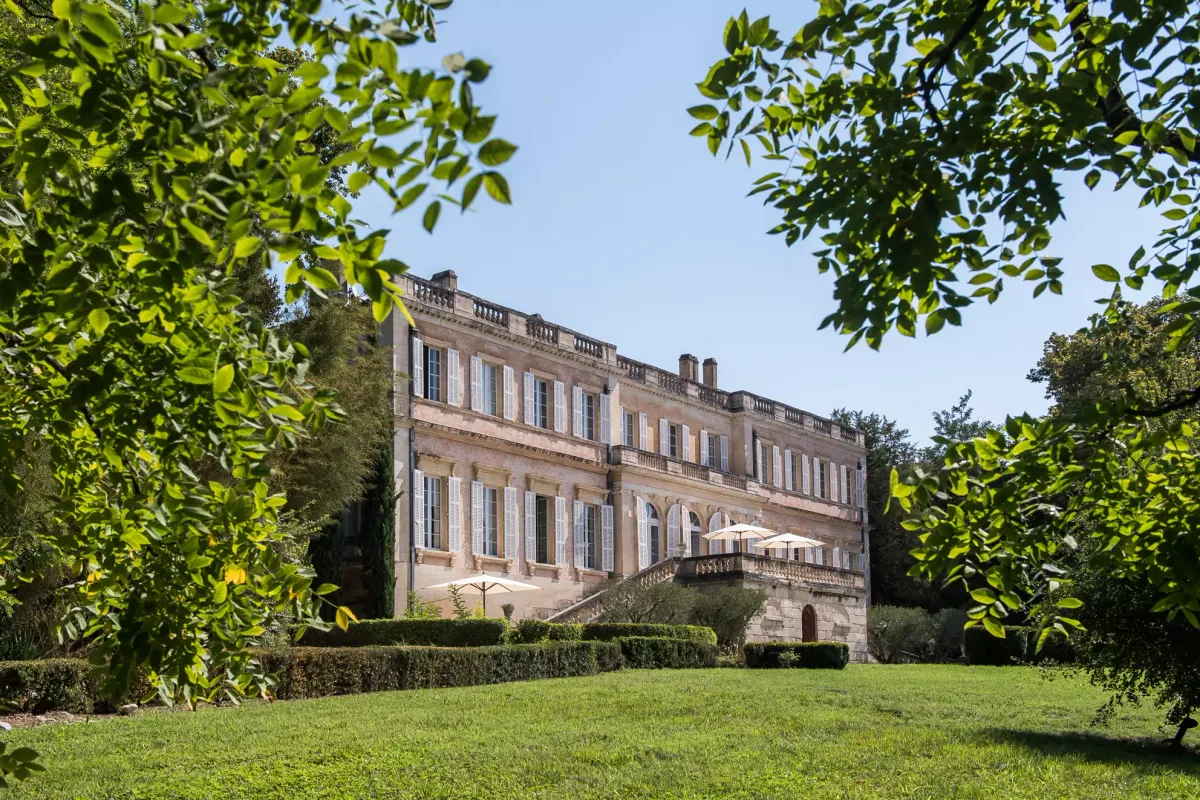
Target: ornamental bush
607,631
657,652
414,632
304,672
532,631
59,684
807,655
896,634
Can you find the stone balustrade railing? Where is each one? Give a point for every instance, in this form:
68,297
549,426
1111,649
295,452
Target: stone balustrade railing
768,566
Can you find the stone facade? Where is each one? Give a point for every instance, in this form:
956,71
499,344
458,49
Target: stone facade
528,450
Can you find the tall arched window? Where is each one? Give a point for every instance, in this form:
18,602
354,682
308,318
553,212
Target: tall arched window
655,534
696,531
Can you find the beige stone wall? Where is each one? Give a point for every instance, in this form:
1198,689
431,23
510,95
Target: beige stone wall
841,616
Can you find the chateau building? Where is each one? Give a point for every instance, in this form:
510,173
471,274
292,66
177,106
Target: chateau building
528,450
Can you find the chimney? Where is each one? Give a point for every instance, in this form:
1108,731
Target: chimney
710,372
446,278
689,367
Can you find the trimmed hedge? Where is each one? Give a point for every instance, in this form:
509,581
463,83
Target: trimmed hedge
608,631
305,672
532,631
58,684
1019,646
657,652
806,655
412,632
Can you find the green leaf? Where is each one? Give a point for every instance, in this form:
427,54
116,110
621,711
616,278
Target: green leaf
98,318
733,36
994,627
984,596
97,20
322,279
223,379
470,189
497,187
1126,137
926,46
246,246
496,151
344,617
1044,41
1106,273
1069,602
431,215
196,375
704,112
477,70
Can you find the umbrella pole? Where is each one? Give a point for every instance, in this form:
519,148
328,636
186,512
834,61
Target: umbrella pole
483,591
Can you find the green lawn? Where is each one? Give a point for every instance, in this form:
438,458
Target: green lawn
868,731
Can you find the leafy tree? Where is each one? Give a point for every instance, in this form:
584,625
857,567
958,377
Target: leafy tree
954,426
927,145
152,150
379,536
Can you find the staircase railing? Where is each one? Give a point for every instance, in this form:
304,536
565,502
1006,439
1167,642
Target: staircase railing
593,606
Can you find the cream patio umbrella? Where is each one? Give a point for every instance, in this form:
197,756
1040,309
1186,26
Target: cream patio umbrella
486,583
788,541
737,532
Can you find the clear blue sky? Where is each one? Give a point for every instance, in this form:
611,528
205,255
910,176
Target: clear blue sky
624,228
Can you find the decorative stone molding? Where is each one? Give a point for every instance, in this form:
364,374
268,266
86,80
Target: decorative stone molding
436,466
492,476
441,558
591,495
483,563
553,570
590,575
547,487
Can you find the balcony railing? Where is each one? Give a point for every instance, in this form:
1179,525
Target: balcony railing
714,397
764,406
542,331
490,313
432,294
823,426
636,370
849,435
753,564
659,463
793,415
672,383
589,347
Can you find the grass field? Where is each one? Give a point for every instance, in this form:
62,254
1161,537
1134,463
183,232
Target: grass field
869,731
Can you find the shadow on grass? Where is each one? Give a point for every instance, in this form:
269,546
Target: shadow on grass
1100,748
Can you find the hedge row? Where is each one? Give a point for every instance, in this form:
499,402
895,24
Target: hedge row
809,655
413,632
530,631
319,672
57,684
1019,646
657,652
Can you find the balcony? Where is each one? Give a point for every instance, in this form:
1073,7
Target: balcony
724,565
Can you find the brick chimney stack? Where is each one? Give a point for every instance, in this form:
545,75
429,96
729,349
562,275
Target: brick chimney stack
689,367
710,372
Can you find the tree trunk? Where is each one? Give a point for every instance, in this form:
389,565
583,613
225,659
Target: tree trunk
1185,726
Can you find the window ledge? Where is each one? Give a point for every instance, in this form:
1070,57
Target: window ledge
590,575
536,568
483,562
427,555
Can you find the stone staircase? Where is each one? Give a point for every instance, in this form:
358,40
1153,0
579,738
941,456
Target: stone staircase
589,608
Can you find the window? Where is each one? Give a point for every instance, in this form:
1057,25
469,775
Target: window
490,385
433,513
591,538
694,525
821,480
655,533
589,416
434,359
491,521
764,464
627,430
673,441
795,470
541,403
545,512
714,450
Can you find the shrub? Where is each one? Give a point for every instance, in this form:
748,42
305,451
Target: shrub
656,652
667,603
896,634
728,613
808,655
607,631
532,631
304,672
983,649
416,632
59,684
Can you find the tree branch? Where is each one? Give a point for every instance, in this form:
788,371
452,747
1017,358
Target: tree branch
1114,107
944,52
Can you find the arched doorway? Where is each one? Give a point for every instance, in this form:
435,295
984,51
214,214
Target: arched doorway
653,534
808,624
